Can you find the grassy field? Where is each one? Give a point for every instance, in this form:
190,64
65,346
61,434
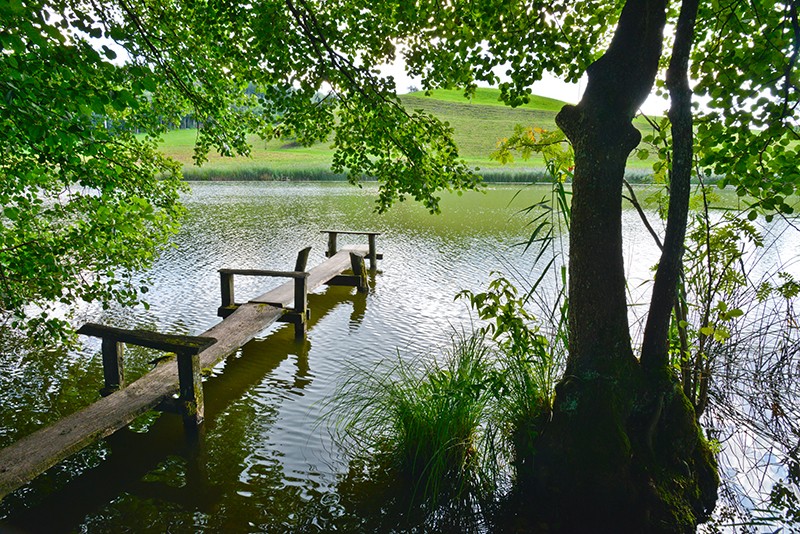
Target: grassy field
478,124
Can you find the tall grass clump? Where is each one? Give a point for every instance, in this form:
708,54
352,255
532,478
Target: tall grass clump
455,432
425,420
458,429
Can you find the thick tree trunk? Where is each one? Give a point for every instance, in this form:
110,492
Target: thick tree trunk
612,459
602,135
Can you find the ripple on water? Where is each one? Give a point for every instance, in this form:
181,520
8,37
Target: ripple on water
267,444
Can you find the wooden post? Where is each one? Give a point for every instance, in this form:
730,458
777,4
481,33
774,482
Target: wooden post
360,270
300,307
226,288
302,260
113,375
301,295
190,394
331,244
373,252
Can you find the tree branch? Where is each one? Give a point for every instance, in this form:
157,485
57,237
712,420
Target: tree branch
655,344
642,215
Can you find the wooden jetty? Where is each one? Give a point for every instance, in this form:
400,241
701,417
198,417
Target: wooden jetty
175,382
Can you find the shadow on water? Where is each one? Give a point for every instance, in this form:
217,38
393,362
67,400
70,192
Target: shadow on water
165,463
377,496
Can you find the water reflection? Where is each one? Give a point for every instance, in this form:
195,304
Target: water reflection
193,473
266,462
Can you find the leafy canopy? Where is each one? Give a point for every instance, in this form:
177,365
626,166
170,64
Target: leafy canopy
87,199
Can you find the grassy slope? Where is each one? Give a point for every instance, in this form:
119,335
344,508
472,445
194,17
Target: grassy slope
478,124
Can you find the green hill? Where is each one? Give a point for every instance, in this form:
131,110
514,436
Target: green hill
478,124
489,97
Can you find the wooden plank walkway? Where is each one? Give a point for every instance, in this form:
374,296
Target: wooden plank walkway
22,461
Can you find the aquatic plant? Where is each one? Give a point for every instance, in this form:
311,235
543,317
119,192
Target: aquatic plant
454,428
427,421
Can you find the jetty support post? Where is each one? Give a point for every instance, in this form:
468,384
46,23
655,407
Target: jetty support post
190,394
300,313
359,270
226,289
186,348
373,251
302,260
331,243
113,373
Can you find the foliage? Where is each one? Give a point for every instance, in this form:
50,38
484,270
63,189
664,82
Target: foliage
785,494
713,274
748,129
308,71
425,419
533,361
733,345
526,372
84,205
453,428
552,145
85,201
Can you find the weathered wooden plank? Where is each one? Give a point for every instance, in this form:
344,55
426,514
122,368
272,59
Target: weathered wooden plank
331,267
146,338
349,232
37,452
263,272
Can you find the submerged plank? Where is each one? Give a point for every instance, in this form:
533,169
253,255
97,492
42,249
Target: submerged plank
22,461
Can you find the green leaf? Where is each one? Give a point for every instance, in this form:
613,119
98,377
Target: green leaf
110,54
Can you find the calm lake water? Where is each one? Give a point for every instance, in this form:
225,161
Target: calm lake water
265,461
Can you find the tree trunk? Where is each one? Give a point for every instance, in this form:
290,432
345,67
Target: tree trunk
623,452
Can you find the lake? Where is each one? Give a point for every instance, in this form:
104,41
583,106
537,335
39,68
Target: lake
265,461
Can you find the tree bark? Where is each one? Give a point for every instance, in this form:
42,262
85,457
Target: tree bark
655,342
622,452
602,135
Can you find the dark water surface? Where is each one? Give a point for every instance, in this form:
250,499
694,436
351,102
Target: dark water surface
264,460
